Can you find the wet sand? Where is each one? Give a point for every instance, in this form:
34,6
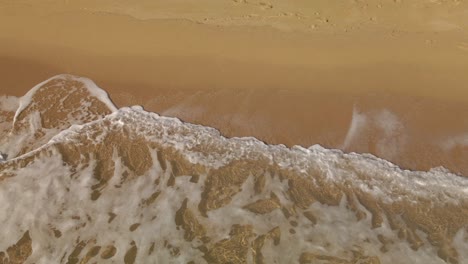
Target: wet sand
281,80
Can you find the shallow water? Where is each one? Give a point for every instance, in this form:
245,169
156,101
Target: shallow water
86,182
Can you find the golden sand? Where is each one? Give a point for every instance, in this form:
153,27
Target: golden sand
284,72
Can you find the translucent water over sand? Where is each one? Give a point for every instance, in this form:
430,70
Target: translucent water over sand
85,182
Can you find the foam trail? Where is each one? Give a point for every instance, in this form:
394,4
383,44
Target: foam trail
9,103
452,142
93,89
358,121
393,140
52,106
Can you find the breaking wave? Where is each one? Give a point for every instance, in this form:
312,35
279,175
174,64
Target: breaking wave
83,182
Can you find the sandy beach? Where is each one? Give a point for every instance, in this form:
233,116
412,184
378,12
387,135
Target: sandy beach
354,115
385,77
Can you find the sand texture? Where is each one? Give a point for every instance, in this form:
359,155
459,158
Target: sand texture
385,77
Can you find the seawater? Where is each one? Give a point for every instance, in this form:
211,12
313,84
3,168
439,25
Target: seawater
85,182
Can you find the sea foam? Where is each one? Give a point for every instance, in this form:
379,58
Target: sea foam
137,187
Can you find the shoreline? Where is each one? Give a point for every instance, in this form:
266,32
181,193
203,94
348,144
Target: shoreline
412,137
82,43
282,87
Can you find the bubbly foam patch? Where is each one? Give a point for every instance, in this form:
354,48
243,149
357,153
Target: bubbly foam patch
358,121
9,103
186,137
379,131
92,88
452,142
213,199
50,107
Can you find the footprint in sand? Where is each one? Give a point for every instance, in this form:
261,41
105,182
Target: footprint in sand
265,5
262,5
240,1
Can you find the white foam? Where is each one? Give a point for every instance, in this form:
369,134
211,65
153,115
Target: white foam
63,202
333,163
454,141
358,121
394,139
9,103
460,242
56,196
441,185
390,139
32,134
92,88
336,232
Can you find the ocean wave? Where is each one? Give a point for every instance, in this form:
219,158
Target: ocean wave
132,186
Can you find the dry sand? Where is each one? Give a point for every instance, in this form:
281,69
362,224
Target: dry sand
288,72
